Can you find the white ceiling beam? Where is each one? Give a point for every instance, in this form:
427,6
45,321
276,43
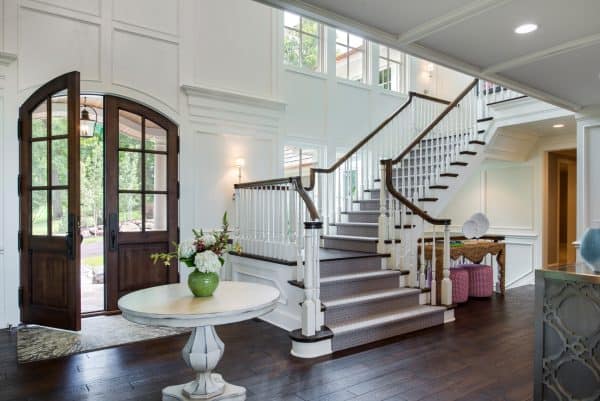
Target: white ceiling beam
452,18
545,53
385,38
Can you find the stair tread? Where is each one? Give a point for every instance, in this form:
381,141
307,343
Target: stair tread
350,237
371,296
385,318
357,224
361,212
328,254
360,276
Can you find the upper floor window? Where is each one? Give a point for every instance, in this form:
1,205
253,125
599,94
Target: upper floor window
391,69
350,56
302,42
297,161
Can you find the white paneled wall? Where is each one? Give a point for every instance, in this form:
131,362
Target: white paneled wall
511,194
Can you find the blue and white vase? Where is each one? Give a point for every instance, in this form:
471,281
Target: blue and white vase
590,246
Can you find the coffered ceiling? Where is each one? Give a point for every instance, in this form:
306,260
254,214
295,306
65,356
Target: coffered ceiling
558,63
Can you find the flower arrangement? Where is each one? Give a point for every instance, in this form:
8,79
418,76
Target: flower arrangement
205,254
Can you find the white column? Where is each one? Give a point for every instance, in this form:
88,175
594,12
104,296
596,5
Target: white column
446,283
312,319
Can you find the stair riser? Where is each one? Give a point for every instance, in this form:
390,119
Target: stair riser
347,314
361,218
350,245
357,231
358,287
360,337
370,205
349,266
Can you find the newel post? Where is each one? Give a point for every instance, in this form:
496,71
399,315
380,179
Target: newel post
382,222
446,282
312,317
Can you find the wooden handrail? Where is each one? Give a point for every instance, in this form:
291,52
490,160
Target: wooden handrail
435,122
341,160
389,183
295,181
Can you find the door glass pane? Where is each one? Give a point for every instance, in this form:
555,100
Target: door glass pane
39,163
39,121
60,162
39,212
156,172
59,115
60,212
156,137
130,130
130,171
156,213
130,212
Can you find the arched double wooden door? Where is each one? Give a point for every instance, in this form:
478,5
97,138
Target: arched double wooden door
140,202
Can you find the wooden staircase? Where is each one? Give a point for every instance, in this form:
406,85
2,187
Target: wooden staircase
365,282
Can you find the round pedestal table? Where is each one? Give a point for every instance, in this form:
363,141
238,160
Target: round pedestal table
174,305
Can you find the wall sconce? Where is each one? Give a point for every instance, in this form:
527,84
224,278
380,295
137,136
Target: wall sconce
430,69
239,163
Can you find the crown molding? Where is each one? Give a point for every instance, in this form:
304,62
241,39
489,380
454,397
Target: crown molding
233,97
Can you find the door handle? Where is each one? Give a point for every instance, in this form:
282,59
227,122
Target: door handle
112,226
72,224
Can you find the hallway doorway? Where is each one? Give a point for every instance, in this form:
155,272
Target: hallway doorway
561,207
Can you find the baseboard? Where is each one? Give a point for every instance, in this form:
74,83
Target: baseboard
526,279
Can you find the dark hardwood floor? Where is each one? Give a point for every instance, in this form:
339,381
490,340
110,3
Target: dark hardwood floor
487,354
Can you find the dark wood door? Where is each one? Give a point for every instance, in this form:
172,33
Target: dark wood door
49,203
141,197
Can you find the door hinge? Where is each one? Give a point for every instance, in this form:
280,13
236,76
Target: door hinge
20,241
20,129
20,296
178,145
178,190
19,185
178,235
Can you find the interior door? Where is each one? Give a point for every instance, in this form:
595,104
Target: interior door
49,202
141,197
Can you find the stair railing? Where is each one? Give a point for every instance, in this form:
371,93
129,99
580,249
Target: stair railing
336,188
277,220
408,179
490,93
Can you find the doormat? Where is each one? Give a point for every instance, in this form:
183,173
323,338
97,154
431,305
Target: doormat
37,343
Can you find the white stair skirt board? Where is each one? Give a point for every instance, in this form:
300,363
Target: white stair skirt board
288,312
311,350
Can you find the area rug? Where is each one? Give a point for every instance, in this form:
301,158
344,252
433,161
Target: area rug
36,343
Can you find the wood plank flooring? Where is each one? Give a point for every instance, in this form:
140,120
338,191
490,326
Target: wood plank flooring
487,354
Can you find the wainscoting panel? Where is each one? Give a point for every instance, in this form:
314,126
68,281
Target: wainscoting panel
91,7
146,64
509,197
156,15
44,38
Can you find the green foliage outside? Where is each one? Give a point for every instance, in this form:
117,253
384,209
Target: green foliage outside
308,55
91,178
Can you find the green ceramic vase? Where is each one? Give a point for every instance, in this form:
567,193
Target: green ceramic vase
203,284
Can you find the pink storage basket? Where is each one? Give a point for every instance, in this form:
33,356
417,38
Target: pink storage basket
460,285
481,280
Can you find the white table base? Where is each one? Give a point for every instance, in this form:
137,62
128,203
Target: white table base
230,393
202,352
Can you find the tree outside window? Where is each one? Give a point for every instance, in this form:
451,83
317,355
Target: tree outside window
391,73
302,42
350,56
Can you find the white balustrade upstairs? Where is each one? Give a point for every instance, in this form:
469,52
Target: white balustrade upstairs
489,93
336,188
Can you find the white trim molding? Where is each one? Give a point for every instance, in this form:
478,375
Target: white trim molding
220,111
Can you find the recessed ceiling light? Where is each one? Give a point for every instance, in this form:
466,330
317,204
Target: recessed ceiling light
558,126
525,28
